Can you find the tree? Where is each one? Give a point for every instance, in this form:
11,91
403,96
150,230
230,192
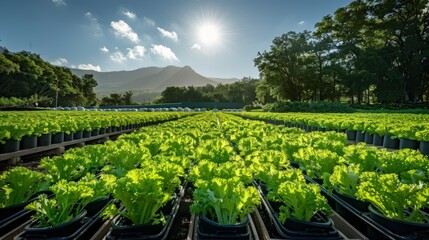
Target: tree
127,98
282,67
89,83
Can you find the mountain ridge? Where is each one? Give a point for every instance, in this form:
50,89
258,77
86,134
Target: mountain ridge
150,78
147,83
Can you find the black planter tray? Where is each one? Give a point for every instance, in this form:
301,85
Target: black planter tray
326,231
16,215
378,231
362,220
82,229
11,222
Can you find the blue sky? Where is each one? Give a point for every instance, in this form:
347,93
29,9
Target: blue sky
218,38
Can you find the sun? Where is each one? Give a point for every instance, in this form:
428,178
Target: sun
209,35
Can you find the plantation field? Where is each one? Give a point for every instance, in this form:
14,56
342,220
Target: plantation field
235,167
401,125
15,125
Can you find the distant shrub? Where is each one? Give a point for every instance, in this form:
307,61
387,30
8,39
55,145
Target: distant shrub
316,107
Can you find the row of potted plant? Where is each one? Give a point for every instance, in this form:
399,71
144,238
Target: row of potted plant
153,162
393,185
298,208
406,130
46,127
223,196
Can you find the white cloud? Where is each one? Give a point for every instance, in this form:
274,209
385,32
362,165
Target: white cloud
89,67
149,22
59,62
94,26
301,23
129,14
123,30
104,49
136,52
167,34
196,46
118,56
163,52
59,2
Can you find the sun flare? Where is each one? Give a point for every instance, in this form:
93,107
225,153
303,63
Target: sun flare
209,35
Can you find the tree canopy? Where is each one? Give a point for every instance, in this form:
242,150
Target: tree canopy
243,91
370,50
25,74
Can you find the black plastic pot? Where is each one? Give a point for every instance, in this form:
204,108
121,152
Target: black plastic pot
360,136
320,227
408,143
102,131
57,137
108,130
62,231
86,134
209,229
400,227
28,142
95,132
44,140
78,134
122,228
68,137
369,138
95,207
10,145
389,142
378,140
352,201
424,147
351,135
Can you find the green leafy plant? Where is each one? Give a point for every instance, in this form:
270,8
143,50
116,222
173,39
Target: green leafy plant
299,200
141,193
66,205
345,179
317,162
67,167
226,201
393,198
18,184
366,157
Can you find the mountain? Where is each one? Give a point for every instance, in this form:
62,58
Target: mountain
2,49
150,78
148,83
